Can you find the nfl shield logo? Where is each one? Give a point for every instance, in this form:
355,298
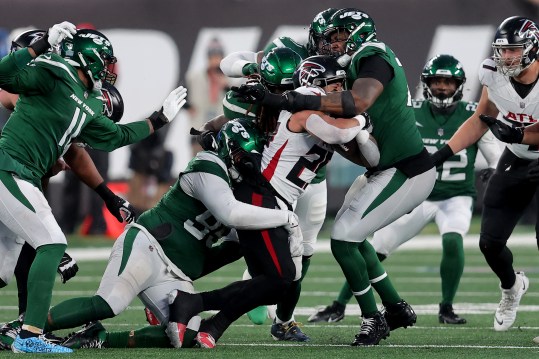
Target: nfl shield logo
440,131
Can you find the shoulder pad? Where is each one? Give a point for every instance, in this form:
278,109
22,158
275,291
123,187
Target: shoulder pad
487,71
56,65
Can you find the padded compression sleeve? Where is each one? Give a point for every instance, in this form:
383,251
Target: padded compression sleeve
226,209
328,133
232,65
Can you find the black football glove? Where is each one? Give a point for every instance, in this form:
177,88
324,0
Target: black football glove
485,174
67,268
441,155
206,139
290,100
502,131
116,205
533,171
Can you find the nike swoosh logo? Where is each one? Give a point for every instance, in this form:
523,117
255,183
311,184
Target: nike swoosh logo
418,124
498,321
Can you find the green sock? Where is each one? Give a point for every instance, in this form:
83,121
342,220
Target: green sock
354,268
452,265
383,287
78,311
345,294
40,283
153,336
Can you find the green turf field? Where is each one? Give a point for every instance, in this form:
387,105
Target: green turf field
415,274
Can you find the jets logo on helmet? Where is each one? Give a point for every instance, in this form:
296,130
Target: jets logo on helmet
310,70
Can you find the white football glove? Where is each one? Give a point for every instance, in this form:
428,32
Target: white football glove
174,102
295,238
59,32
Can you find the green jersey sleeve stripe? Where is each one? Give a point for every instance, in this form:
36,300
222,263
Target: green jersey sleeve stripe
56,64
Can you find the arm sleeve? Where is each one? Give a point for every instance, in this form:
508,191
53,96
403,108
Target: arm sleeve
16,76
377,68
225,208
489,147
329,133
232,65
103,134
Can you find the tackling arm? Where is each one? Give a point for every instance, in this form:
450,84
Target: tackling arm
221,203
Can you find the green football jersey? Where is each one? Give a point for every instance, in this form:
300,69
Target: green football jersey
285,41
187,230
391,114
456,176
54,107
233,108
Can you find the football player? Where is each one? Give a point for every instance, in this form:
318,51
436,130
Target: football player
508,80
82,165
173,244
63,92
450,204
403,178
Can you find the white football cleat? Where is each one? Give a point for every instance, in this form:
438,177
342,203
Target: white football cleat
507,309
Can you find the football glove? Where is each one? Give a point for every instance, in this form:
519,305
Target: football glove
533,171
172,105
206,139
485,174
116,205
250,69
503,132
441,155
67,268
295,238
56,34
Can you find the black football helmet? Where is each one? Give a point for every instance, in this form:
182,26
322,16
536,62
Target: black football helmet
515,32
26,39
113,104
320,70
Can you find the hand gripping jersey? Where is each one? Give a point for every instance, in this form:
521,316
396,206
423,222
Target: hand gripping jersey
514,110
54,107
456,175
392,116
184,227
291,160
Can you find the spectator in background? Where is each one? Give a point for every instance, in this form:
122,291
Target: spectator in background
151,164
207,87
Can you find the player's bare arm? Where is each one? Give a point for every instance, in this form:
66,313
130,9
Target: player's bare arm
364,93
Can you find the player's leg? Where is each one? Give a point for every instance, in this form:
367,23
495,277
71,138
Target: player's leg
21,200
507,195
133,266
453,220
387,196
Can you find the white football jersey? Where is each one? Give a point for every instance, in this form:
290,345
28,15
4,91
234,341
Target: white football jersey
291,160
514,110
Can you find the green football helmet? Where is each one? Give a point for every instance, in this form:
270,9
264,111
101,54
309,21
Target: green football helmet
240,144
358,26
316,32
277,68
443,66
92,52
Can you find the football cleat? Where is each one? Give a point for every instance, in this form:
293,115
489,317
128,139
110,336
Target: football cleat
288,331
92,335
332,313
205,340
183,306
507,309
9,331
446,315
150,317
399,315
38,344
373,330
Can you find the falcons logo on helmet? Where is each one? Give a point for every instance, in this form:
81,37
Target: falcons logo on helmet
528,30
309,71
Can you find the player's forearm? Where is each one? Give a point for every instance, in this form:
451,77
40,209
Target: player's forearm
215,124
10,65
83,166
332,134
232,65
530,138
468,133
